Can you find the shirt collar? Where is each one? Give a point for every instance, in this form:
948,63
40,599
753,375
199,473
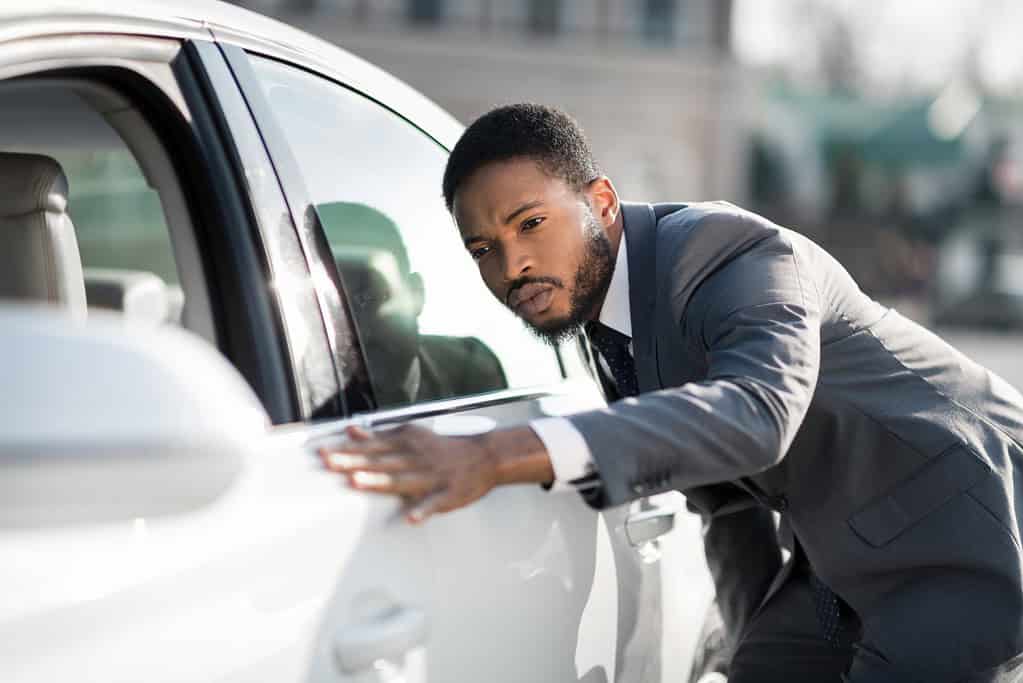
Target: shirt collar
616,312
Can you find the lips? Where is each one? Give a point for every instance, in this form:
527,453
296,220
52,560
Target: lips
530,298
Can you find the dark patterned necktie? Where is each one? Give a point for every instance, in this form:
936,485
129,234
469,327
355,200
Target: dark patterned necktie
613,346
829,610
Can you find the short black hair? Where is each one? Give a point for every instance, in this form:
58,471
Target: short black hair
545,134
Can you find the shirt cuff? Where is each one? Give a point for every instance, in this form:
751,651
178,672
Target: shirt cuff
569,454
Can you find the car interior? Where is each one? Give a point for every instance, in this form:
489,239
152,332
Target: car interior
92,213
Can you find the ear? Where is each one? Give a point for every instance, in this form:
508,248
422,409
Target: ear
603,200
415,283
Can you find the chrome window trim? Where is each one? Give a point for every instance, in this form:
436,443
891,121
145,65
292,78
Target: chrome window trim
229,25
447,406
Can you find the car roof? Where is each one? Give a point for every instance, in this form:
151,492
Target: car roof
230,24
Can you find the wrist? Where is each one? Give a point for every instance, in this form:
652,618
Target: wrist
519,455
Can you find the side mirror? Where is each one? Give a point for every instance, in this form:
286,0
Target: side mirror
104,420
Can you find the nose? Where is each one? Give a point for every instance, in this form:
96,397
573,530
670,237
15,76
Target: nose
517,262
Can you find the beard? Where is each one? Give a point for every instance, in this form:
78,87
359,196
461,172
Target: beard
592,278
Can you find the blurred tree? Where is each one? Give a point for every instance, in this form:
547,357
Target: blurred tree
834,34
839,58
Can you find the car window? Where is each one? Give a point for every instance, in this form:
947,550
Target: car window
121,235
117,216
428,326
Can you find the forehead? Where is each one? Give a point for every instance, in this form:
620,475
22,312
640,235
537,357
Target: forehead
497,189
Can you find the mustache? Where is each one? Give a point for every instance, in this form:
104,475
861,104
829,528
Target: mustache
528,280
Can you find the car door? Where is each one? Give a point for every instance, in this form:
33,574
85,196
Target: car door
529,585
285,575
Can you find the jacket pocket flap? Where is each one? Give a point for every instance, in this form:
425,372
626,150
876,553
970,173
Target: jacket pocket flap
938,481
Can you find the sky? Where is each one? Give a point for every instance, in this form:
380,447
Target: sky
917,41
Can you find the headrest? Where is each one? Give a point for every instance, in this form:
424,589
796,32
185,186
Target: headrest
31,182
39,260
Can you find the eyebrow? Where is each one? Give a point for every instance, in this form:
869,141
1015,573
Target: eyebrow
522,209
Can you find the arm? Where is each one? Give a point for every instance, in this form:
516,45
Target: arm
758,322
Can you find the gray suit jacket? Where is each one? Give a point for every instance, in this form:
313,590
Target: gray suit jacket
768,376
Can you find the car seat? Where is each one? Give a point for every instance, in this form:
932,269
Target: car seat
39,260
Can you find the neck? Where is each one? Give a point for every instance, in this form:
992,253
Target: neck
614,232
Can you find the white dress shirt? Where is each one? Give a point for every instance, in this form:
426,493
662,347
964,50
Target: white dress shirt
570,456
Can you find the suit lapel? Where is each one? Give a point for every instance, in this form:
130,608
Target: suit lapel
640,227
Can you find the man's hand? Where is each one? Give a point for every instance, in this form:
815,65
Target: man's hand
435,473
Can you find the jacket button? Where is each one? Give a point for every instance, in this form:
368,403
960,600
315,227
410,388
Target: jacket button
781,503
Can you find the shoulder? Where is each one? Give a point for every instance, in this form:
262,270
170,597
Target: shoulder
451,347
469,354
701,240
705,224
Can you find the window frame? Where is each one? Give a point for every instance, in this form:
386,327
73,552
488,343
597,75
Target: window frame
172,92
319,254
251,160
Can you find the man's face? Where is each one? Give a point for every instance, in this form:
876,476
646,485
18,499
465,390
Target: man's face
538,245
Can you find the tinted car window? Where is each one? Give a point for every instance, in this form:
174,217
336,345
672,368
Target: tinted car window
428,327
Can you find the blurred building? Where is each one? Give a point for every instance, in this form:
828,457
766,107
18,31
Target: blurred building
653,82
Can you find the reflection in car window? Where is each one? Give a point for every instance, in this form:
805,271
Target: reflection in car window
428,326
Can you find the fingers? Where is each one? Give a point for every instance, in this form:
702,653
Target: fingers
369,445
396,483
360,441
357,433
406,461
345,462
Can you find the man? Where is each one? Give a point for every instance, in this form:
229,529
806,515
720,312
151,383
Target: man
752,371
386,298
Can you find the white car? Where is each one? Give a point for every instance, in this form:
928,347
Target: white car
223,241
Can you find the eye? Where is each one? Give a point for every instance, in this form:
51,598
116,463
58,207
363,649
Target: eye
479,252
533,222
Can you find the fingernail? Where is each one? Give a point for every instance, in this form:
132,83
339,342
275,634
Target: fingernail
370,479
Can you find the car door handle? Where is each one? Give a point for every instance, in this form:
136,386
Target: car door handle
389,635
647,525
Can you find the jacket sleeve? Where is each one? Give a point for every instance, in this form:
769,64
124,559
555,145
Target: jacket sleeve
758,323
